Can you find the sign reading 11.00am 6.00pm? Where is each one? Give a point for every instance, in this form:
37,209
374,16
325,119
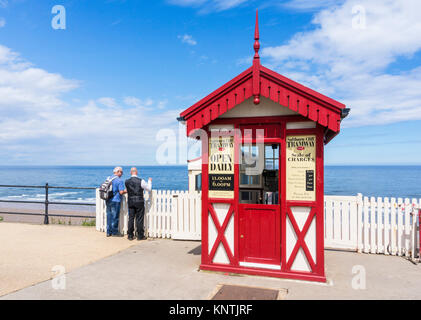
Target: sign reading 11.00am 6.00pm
301,168
221,167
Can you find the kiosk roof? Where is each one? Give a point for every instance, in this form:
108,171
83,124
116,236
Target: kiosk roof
259,81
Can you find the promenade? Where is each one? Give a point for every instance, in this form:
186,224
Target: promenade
28,252
114,268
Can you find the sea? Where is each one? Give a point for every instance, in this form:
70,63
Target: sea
372,181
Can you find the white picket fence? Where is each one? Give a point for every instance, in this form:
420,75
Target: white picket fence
372,225
168,214
382,225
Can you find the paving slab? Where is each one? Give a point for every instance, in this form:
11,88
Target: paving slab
167,269
29,252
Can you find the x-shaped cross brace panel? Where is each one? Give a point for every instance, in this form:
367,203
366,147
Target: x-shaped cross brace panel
221,233
301,239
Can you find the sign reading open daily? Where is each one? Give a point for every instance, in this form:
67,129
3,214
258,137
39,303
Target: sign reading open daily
301,168
221,167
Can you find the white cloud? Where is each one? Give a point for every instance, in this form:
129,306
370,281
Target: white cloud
39,126
25,88
3,3
187,3
139,103
188,39
2,22
227,4
108,102
311,4
209,5
351,64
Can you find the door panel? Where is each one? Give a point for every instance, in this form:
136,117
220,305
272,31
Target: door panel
259,233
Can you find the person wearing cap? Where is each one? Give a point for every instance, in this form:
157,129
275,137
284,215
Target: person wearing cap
113,205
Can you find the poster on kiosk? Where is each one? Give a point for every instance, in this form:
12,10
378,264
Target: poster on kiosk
262,173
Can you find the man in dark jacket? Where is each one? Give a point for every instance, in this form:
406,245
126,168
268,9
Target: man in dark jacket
135,187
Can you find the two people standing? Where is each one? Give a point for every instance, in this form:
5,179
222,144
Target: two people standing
134,188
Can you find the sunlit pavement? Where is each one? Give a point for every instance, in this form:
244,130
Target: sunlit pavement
32,253
167,269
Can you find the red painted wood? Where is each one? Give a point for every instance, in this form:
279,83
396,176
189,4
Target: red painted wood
317,210
279,89
265,84
303,106
300,239
256,63
231,100
260,233
293,98
264,242
274,95
320,266
205,204
304,91
305,276
283,97
221,226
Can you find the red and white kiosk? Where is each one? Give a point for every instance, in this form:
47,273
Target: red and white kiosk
263,137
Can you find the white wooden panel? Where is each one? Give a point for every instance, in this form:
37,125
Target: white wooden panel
328,221
393,226
221,255
300,262
400,226
291,239
373,224
311,240
407,227
366,214
386,226
379,224
351,222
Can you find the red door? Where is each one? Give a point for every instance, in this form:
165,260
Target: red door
260,234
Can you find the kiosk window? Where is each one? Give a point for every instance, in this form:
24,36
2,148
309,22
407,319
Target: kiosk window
198,184
259,174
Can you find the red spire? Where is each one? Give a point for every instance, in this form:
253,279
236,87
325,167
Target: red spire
256,63
256,37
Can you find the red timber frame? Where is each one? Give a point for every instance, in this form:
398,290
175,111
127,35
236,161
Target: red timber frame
317,208
309,105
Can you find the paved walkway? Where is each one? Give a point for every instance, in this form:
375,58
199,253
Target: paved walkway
28,252
166,269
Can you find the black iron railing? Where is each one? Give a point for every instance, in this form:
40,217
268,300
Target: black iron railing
46,202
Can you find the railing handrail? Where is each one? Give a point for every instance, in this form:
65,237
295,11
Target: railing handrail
50,187
46,202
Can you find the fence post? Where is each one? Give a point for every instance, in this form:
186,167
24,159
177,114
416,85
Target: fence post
360,224
46,220
174,215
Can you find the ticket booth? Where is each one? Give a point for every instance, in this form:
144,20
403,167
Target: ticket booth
263,137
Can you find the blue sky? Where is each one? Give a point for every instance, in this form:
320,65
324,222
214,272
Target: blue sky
98,91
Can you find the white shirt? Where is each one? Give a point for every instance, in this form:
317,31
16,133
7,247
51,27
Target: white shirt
145,186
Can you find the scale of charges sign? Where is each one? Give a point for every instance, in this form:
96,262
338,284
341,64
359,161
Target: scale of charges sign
221,167
301,168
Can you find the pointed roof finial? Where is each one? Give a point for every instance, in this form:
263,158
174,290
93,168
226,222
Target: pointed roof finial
256,63
256,37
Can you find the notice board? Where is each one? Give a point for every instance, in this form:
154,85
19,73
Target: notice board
221,167
301,168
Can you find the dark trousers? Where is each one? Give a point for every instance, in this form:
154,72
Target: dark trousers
136,213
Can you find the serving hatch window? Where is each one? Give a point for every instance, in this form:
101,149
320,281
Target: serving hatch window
259,174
